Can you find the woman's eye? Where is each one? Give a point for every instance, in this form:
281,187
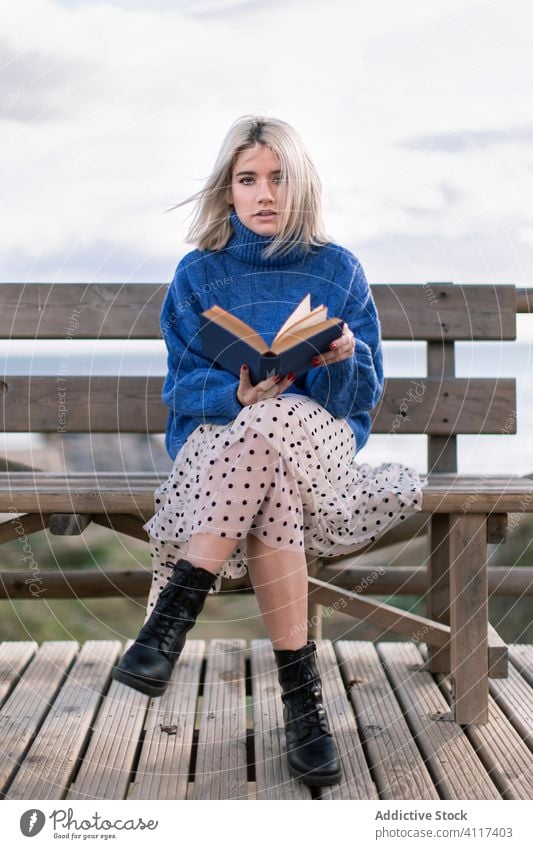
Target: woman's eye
246,180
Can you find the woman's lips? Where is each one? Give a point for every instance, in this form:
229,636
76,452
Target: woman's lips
265,215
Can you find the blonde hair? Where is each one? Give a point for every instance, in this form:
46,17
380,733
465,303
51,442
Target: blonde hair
300,221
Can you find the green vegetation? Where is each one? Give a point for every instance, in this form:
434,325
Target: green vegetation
234,614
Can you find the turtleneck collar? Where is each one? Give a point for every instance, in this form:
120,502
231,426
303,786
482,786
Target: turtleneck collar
248,247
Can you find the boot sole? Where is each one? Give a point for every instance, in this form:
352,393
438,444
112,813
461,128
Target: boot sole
141,684
315,780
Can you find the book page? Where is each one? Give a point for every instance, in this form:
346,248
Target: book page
303,309
293,337
316,316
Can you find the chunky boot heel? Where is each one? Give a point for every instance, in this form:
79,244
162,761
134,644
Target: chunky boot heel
148,664
311,752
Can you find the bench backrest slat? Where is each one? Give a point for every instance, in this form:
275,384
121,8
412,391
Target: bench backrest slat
131,311
133,405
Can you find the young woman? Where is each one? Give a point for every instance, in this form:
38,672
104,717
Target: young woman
265,474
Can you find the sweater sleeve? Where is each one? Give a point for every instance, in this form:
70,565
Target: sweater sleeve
354,385
194,386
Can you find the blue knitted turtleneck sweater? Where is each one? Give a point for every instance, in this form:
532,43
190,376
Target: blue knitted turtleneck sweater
263,293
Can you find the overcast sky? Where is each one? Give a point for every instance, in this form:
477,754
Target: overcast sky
417,114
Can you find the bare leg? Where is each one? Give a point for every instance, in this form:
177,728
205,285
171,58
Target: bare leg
279,579
210,551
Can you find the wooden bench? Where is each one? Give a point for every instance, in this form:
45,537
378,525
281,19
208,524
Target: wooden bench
461,513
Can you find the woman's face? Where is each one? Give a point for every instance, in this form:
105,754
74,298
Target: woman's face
256,186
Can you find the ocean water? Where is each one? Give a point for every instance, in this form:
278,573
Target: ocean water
499,454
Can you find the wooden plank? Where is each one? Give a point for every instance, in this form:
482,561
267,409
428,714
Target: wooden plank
78,495
445,405
524,300
414,580
131,310
501,750
81,310
22,715
442,457
132,526
76,583
108,762
486,495
438,600
521,656
513,695
167,751
442,449
47,769
378,613
395,761
221,771
91,404
125,493
357,781
272,778
442,311
20,526
119,404
14,657
469,617
456,770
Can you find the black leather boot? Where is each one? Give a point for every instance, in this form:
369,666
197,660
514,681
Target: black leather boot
148,664
311,751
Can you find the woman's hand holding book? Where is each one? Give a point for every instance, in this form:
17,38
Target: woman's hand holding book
271,387
342,349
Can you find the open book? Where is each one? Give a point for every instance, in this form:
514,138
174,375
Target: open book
231,342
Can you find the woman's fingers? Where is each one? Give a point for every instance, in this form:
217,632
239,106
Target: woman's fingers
341,349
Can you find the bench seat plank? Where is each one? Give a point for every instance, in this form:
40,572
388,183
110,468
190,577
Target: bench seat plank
115,492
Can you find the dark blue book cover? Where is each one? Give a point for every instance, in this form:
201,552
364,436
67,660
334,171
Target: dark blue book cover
230,342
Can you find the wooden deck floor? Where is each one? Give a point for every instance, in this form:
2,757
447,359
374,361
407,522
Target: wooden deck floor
68,732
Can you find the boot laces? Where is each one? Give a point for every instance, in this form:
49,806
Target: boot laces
304,696
167,617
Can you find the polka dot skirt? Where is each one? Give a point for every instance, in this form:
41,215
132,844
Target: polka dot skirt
285,471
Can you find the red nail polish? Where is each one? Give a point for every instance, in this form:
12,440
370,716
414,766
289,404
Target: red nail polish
333,345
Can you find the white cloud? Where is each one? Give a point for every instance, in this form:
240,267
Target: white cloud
111,113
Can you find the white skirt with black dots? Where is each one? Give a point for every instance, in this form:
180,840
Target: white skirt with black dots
284,470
